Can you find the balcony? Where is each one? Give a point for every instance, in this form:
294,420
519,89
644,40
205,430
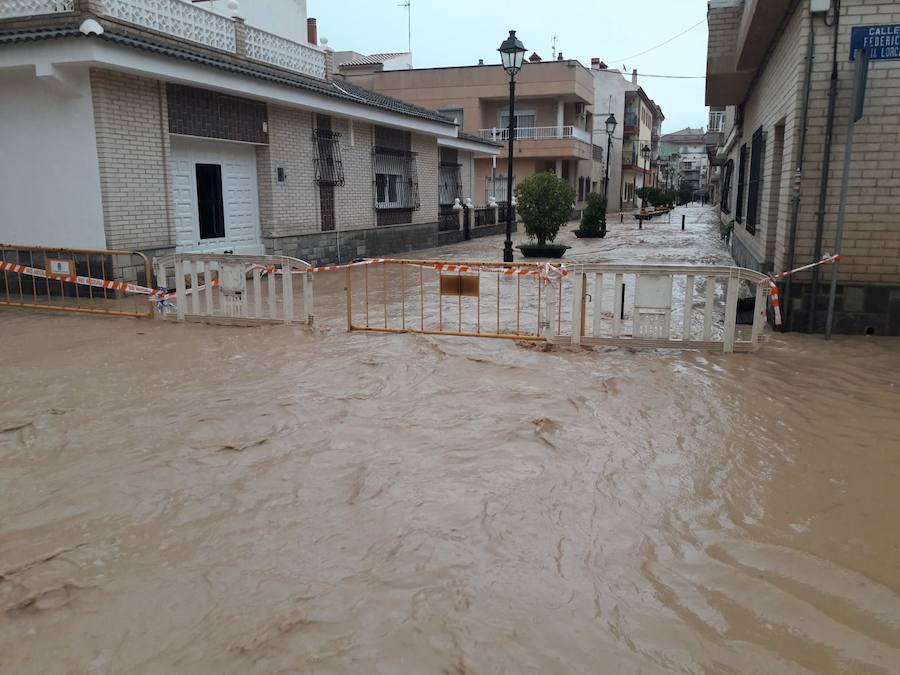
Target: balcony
15,9
191,23
740,33
631,121
537,134
566,142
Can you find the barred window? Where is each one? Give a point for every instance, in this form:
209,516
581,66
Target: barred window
329,165
451,183
396,182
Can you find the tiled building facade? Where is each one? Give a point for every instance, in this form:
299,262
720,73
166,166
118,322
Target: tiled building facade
758,65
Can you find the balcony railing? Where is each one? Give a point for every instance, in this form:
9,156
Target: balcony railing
631,120
176,18
11,9
195,24
537,134
278,51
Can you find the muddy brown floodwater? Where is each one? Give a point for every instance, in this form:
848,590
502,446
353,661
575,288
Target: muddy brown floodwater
201,499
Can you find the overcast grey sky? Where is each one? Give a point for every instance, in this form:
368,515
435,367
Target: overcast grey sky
459,32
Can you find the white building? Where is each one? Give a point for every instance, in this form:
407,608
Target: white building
123,129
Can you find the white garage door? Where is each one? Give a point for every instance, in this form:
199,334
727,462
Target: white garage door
215,194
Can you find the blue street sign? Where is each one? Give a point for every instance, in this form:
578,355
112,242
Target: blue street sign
882,42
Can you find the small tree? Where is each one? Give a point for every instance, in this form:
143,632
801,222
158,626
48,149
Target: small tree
545,203
594,217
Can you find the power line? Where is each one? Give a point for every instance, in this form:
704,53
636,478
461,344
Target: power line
676,77
661,44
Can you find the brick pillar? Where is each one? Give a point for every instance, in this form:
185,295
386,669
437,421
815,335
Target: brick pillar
240,36
329,63
94,7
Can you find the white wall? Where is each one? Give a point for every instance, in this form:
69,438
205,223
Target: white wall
609,97
49,175
286,18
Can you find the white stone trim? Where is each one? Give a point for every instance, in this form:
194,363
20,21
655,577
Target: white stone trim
94,52
481,149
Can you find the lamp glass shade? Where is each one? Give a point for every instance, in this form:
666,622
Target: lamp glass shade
512,53
645,152
611,125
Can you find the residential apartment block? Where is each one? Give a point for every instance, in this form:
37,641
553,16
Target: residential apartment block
685,153
774,64
639,124
174,126
554,118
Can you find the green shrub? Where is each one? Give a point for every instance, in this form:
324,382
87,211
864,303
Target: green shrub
657,197
544,203
593,219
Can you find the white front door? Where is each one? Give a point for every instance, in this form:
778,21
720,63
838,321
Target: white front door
215,193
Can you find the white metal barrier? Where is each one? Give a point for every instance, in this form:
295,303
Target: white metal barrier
237,289
674,306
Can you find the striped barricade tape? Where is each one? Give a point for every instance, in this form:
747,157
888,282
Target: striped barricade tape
773,287
77,279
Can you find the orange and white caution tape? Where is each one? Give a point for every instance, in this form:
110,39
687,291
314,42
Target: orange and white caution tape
826,260
776,303
545,271
772,278
123,286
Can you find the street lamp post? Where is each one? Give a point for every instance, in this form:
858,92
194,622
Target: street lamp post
645,153
512,53
610,130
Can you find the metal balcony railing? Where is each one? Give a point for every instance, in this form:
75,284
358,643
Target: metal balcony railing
537,134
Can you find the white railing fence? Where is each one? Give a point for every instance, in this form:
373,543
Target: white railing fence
176,18
196,24
10,9
674,306
536,133
237,289
278,51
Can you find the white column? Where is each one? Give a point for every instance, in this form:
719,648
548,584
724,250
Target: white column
559,168
560,115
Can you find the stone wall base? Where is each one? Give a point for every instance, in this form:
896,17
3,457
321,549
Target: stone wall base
860,309
743,256
342,246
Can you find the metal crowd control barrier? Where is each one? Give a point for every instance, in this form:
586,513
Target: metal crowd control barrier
91,281
667,306
643,306
438,297
237,289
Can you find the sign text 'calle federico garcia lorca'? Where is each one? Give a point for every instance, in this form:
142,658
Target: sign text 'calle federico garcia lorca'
883,42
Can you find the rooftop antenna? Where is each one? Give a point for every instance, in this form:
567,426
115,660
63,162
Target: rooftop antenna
553,39
408,5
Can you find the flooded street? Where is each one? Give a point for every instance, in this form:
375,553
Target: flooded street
179,498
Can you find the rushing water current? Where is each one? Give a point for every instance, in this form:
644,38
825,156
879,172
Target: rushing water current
180,498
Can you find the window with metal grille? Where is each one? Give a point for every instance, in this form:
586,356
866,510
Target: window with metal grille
326,206
451,183
449,177
396,185
329,165
725,205
396,179
754,188
742,174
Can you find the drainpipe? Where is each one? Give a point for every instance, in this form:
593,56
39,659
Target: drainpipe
795,207
826,165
